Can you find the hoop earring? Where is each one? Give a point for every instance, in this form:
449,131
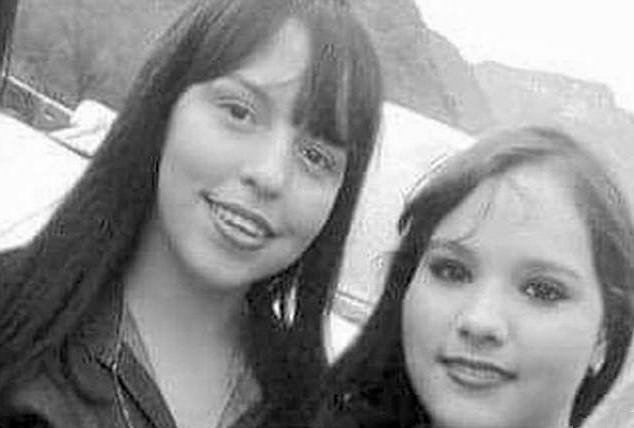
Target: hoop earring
597,359
284,290
289,297
595,367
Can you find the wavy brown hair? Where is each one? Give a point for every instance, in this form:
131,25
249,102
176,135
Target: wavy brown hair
374,370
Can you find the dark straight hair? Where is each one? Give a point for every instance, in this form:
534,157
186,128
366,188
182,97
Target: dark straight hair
48,286
8,10
374,368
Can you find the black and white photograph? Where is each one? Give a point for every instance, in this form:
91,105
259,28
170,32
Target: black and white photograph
316,214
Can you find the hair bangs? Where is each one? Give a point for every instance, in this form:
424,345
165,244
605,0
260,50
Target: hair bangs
239,29
322,104
340,98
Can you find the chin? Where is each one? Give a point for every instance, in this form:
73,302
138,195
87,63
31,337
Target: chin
224,280
454,414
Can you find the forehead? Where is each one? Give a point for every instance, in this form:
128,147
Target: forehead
282,60
526,213
523,197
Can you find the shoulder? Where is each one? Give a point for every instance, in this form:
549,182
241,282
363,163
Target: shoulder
15,266
23,419
348,410
370,405
48,400
11,260
38,402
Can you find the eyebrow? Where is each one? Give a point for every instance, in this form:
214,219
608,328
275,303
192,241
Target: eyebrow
548,265
451,245
258,91
534,264
252,87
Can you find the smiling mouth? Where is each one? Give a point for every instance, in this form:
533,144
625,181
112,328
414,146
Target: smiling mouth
240,226
476,374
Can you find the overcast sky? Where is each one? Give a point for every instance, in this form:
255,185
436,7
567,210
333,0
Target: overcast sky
591,40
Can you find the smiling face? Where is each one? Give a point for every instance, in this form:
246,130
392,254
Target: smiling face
503,317
243,189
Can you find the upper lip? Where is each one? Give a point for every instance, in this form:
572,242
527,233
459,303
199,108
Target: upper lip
249,214
478,364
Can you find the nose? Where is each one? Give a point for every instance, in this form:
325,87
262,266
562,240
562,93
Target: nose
268,166
481,322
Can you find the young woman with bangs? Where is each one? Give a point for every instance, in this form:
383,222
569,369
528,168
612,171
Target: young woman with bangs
183,280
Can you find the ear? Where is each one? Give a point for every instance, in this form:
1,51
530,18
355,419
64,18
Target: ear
597,358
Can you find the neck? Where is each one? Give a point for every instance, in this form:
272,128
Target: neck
169,302
191,331
556,419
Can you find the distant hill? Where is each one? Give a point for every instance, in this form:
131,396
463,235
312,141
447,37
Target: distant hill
76,49
422,69
584,109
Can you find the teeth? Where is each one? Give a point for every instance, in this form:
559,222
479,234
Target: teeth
478,373
237,221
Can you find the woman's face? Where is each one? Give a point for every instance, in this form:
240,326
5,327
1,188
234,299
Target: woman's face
503,317
242,190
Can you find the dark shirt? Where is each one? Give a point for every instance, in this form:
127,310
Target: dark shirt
99,382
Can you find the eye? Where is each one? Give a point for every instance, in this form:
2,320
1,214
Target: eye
316,156
238,112
545,290
450,270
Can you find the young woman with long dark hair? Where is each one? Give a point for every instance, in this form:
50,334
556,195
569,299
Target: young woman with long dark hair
183,280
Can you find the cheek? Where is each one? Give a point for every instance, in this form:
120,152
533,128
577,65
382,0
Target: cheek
560,350
176,178
171,182
197,148
427,311
309,207
425,329
187,167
